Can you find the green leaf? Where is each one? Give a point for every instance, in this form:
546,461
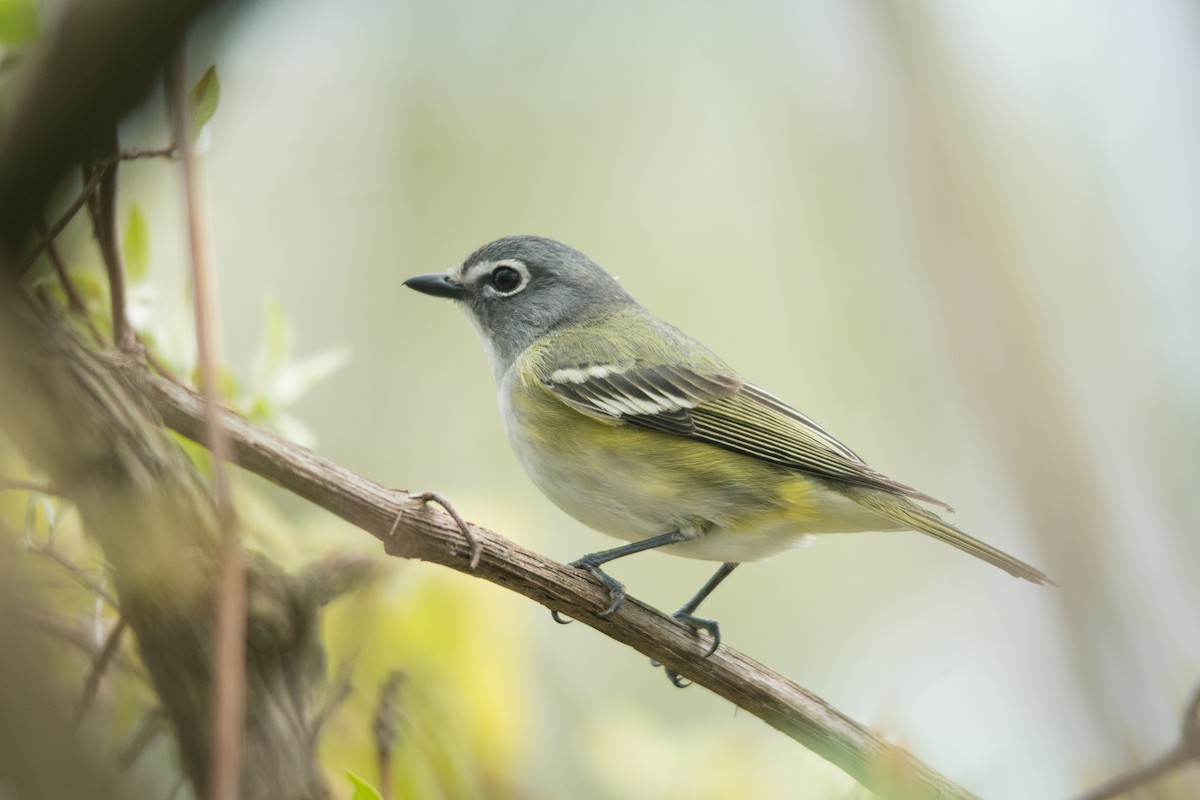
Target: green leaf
18,22
275,343
294,379
362,789
202,100
137,245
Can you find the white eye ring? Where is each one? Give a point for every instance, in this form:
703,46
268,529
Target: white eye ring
507,277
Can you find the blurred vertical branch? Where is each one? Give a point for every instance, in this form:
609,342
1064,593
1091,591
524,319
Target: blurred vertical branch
998,334
230,633
992,332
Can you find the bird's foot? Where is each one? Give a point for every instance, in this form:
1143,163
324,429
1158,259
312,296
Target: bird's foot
697,624
674,677
616,589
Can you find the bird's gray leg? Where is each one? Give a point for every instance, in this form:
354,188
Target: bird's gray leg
685,612
686,615
616,590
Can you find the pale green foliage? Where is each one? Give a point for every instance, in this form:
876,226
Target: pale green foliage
362,789
202,100
280,378
18,22
136,245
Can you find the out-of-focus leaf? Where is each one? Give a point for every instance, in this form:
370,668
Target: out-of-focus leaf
202,100
296,378
362,789
275,346
137,244
18,22
90,288
227,385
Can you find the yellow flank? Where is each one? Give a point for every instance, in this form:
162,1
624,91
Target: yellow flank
797,496
633,483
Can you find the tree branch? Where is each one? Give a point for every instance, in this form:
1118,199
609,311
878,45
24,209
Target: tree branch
433,536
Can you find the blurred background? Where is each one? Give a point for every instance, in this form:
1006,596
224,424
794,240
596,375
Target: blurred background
965,238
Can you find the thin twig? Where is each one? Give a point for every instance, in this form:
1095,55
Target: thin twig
102,206
133,154
15,484
54,554
74,301
56,628
84,195
99,168
229,661
340,689
1185,750
150,727
155,363
99,666
433,536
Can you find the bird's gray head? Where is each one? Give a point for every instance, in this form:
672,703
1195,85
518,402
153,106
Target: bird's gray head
520,288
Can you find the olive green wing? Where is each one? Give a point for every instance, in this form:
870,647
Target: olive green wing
719,409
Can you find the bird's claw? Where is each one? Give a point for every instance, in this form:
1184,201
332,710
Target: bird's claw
616,589
425,498
698,624
674,677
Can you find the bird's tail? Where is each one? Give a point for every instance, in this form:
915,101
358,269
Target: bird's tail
911,515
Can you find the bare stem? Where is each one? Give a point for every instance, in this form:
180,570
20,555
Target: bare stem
230,648
102,204
99,666
54,554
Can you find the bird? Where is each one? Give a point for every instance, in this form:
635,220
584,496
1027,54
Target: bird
640,432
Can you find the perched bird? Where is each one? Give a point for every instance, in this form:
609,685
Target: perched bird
639,431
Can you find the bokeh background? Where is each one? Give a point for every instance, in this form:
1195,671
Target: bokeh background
965,237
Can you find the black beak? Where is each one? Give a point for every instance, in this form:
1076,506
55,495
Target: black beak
437,284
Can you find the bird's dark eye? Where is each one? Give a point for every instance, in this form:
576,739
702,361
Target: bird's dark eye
505,279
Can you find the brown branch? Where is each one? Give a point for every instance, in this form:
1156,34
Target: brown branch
1187,749
429,535
102,207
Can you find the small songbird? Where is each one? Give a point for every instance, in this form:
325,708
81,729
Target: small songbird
639,431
